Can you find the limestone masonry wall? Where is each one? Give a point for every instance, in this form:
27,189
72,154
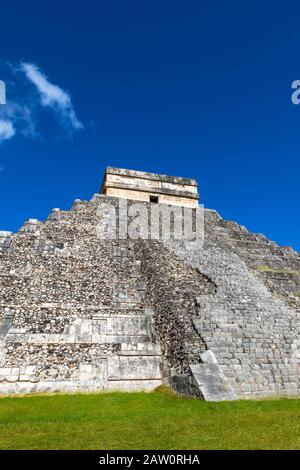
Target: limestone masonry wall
78,313
139,185
251,329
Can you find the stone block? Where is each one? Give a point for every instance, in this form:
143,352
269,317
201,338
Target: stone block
134,368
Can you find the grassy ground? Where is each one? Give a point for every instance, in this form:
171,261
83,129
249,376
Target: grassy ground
157,420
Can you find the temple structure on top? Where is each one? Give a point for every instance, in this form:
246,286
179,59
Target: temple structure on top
150,187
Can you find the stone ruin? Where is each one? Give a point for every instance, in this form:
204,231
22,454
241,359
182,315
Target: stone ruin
79,313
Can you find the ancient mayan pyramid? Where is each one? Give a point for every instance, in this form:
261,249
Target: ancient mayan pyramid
79,313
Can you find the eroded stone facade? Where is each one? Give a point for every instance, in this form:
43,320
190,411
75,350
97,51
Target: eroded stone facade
82,314
142,186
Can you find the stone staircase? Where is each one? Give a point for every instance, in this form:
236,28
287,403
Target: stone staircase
251,331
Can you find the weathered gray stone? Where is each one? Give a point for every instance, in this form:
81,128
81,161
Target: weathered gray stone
81,314
212,382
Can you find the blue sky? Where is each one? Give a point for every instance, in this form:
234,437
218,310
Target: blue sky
194,88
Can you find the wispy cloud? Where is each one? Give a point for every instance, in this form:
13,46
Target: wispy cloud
28,90
52,96
21,118
7,130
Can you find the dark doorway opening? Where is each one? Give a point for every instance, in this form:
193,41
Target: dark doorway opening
154,199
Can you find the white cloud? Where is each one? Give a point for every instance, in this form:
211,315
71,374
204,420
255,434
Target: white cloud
21,117
7,130
53,96
28,90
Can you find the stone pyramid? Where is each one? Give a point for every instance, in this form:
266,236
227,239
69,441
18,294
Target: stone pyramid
79,313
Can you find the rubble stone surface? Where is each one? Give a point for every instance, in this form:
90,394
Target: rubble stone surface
80,313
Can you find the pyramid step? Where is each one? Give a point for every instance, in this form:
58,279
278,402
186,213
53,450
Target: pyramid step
210,380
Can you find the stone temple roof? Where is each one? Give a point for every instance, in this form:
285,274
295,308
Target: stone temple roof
151,176
145,186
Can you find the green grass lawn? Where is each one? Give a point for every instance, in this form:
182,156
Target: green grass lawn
157,420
